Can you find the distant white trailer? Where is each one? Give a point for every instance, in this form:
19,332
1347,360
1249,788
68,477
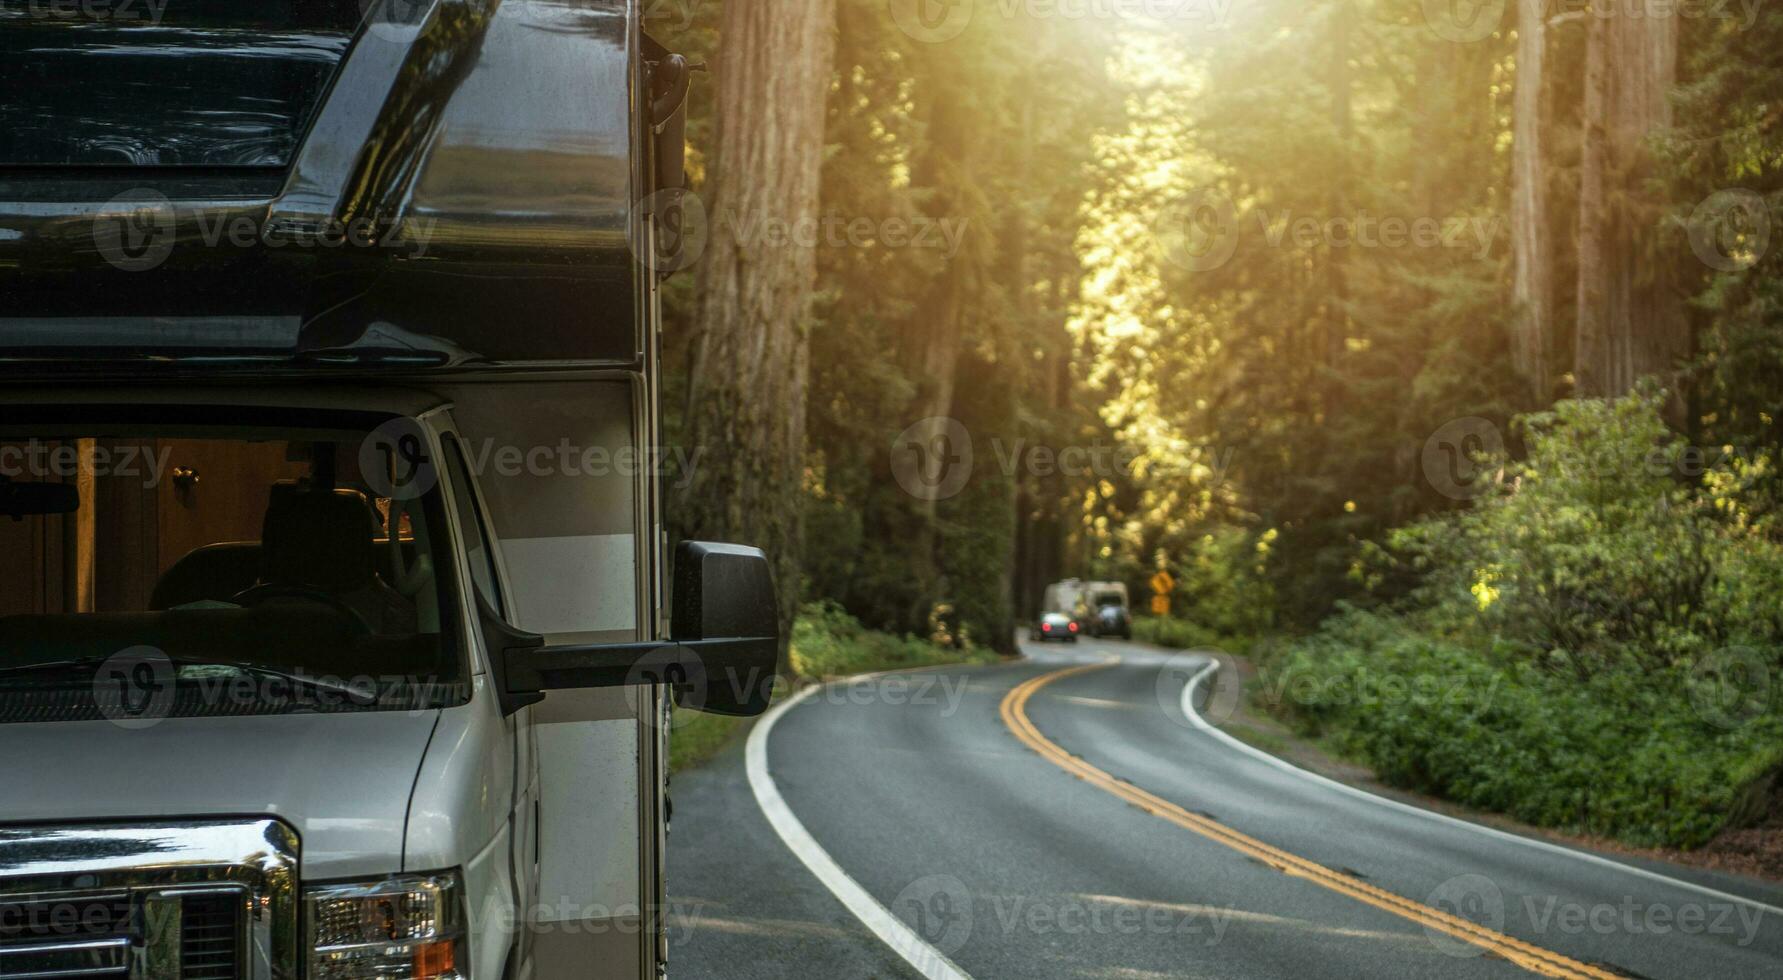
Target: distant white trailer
1078,599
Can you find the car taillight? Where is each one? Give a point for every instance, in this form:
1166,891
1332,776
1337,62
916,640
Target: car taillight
1073,627
1046,627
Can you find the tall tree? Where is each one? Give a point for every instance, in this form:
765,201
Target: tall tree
1630,318
1532,282
750,355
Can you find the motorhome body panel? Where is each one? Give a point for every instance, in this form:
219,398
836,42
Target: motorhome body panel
563,473
462,196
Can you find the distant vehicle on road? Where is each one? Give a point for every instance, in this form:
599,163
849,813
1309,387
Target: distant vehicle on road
1112,620
1057,626
1084,601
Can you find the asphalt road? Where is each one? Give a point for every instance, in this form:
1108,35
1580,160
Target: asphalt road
1034,820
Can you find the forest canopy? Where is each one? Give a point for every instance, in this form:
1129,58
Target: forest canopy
1247,283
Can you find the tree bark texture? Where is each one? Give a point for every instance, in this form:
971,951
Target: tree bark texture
1631,320
750,358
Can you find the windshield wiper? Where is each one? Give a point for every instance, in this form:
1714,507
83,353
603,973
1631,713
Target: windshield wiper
76,664
360,694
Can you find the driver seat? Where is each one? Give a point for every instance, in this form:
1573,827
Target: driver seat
321,540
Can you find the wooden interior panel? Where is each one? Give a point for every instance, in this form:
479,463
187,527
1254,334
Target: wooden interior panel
135,521
229,498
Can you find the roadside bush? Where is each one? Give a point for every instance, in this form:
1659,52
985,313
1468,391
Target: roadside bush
1603,552
1651,758
1596,647
1179,634
827,642
1224,583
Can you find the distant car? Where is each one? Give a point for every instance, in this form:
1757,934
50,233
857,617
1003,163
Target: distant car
1056,626
1112,620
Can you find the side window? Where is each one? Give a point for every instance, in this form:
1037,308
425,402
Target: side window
476,538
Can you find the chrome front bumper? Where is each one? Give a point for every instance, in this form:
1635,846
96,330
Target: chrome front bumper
149,901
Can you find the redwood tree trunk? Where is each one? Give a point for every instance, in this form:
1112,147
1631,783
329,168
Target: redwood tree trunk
1532,285
1631,320
750,356
935,330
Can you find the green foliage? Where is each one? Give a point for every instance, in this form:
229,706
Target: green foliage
950,132
1597,646
1226,584
1641,755
1728,149
828,643
1176,633
1608,546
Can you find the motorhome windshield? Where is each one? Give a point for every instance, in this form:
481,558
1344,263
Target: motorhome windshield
164,572
160,83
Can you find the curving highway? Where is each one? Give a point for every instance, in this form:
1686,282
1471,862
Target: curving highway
1077,815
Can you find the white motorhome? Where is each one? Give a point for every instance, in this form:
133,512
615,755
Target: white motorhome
336,635
1080,600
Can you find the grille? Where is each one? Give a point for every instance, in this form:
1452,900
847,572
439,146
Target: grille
66,936
210,937
96,936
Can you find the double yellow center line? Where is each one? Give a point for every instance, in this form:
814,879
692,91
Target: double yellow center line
1532,958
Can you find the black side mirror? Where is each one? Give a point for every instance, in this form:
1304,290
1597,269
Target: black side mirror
722,657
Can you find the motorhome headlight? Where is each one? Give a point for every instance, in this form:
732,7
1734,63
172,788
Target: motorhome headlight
409,927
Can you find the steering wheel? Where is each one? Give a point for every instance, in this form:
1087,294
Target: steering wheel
254,595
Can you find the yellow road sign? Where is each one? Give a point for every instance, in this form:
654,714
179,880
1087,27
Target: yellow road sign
1162,582
1160,605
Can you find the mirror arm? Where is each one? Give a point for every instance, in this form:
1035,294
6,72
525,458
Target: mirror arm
529,669
500,640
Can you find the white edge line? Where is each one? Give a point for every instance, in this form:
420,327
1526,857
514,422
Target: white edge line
1195,719
926,959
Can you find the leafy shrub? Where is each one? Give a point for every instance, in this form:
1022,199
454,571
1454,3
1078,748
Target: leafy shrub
1628,753
827,642
1598,646
1178,634
1224,584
